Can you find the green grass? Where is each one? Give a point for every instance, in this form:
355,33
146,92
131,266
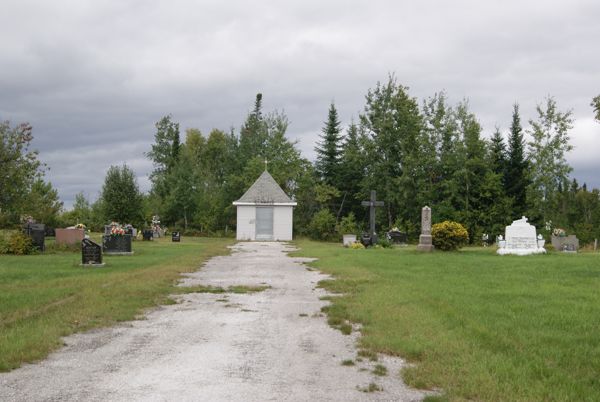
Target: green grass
479,326
46,296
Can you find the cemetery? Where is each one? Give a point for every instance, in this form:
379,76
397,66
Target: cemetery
417,252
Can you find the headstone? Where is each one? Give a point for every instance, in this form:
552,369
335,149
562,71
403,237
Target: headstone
425,239
36,231
49,232
366,239
91,254
348,239
372,204
107,229
521,239
117,245
565,243
148,234
175,237
397,237
69,236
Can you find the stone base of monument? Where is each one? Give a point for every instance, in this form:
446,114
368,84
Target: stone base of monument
521,251
92,265
425,243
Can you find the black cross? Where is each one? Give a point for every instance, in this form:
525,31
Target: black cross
372,203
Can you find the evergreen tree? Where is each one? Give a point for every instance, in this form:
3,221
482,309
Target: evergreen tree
42,203
498,153
352,171
253,134
329,149
596,105
516,180
549,167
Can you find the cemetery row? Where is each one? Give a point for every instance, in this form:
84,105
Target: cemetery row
116,239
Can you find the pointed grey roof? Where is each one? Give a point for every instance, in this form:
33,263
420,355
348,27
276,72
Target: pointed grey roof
265,190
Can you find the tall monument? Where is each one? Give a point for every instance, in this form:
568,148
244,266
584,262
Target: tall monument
425,240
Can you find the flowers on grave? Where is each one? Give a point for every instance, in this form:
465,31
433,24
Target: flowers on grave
27,219
558,232
80,226
357,246
117,231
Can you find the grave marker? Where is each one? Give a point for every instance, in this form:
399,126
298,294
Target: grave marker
372,204
91,254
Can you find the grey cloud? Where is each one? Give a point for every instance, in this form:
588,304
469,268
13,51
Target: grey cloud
93,77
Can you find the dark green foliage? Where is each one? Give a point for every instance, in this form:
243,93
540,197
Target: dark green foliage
348,225
19,167
393,125
516,180
547,154
449,236
322,225
596,105
328,150
19,244
121,197
42,203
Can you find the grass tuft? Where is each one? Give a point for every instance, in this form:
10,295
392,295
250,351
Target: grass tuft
380,370
348,362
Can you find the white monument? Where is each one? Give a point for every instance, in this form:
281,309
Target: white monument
521,239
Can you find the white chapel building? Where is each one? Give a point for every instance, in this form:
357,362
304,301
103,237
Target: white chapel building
265,212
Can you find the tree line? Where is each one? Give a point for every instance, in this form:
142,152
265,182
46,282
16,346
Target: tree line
412,153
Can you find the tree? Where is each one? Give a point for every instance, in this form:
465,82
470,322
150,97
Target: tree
121,197
19,169
516,179
351,173
547,148
328,149
253,134
164,155
596,105
392,122
42,203
498,153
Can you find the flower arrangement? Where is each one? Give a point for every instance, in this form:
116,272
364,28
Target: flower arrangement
357,246
80,226
117,231
558,232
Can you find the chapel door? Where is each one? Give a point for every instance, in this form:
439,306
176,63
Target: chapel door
264,223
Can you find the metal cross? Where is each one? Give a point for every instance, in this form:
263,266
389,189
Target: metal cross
372,204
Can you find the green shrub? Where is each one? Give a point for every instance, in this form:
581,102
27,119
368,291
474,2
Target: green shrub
384,242
348,225
20,244
322,226
449,235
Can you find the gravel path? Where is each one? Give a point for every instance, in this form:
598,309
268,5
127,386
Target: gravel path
273,345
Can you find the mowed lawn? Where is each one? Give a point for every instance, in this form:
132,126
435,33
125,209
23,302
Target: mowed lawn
46,296
477,326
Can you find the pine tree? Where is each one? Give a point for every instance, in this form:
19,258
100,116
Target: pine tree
498,153
516,180
352,171
253,134
329,149
596,105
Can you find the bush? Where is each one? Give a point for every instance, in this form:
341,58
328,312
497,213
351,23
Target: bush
322,226
348,225
384,242
20,244
449,235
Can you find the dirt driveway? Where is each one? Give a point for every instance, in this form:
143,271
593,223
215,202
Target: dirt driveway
272,345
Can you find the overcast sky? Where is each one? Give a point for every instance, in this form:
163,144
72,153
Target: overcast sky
93,77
